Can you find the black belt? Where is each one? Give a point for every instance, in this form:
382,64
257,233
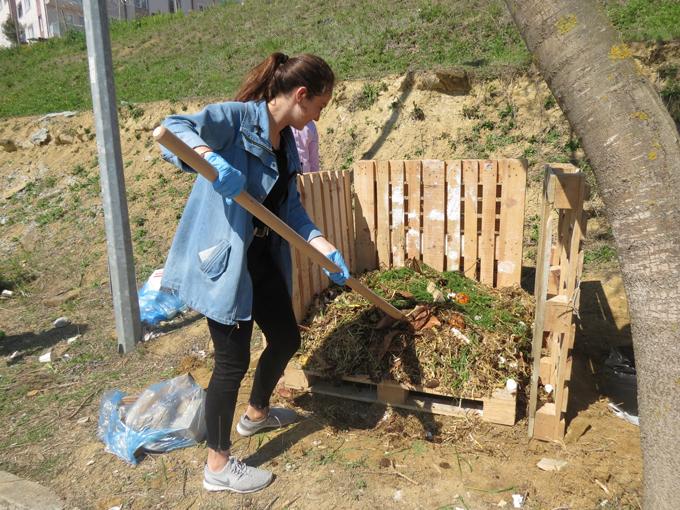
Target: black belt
262,231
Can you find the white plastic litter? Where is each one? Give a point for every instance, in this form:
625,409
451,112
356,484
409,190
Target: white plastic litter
517,500
459,335
72,339
45,358
548,388
511,385
630,418
7,293
61,322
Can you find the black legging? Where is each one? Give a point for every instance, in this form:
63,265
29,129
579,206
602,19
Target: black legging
273,312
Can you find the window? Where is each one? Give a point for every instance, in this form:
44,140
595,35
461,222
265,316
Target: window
29,32
20,10
141,4
28,5
81,21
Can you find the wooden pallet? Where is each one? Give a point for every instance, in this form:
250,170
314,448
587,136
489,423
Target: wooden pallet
501,408
558,274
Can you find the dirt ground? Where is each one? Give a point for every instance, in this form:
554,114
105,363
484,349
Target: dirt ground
341,454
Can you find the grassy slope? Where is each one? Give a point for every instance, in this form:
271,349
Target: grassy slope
206,53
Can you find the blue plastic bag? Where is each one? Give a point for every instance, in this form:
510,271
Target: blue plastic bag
156,305
166,416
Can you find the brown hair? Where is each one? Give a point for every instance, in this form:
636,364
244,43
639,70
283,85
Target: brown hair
278,74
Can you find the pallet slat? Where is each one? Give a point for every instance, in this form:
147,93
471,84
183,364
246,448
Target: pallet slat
453,184
397,237
382,239
509,269
434,209
413,236
470,179
500,408
488,171
364,216
350,220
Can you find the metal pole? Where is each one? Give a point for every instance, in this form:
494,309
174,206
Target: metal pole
118,241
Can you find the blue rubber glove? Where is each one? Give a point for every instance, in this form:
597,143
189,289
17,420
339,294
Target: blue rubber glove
338,278
230,181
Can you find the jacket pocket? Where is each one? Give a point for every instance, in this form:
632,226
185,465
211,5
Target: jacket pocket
214,260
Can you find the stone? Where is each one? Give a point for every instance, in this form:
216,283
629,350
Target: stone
64,139
61,322
547,464
40,137
16,492
453,82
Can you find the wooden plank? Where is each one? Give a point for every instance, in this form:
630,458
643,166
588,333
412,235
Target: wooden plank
470,179
391,394
382,183
544,427
496,409
319,219
488,171
501,408
545,373
565,226
568,193
364,216
558,314
340,226
344,217
328,208
513,194
346,191
306,265
577,235
397,238
453,188
313,272
540,291
413,234
434,217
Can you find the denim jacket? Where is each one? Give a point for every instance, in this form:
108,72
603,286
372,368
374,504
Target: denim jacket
207,265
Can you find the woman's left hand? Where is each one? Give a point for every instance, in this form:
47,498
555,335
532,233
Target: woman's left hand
341,277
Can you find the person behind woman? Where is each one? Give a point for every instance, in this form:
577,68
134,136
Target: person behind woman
229,266
307,142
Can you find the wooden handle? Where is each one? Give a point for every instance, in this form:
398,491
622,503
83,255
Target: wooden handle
180,149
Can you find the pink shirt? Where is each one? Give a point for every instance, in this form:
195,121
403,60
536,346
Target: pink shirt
307,142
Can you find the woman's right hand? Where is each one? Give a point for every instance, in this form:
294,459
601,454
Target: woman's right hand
230,181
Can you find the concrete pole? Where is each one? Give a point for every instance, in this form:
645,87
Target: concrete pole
118,240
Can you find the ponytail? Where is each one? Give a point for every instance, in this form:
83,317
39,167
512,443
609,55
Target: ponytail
278,74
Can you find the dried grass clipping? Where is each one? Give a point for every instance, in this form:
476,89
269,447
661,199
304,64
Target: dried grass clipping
468,340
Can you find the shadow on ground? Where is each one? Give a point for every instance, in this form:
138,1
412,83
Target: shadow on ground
31,343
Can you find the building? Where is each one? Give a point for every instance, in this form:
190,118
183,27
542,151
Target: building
42,19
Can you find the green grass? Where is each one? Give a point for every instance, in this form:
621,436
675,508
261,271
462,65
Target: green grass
646,20
600,255
205,54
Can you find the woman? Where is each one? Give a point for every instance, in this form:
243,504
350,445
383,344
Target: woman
307,142
232,268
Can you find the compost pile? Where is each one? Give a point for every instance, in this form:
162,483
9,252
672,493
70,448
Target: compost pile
467,339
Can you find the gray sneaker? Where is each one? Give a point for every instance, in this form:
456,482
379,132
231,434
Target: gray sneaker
236,477
277,417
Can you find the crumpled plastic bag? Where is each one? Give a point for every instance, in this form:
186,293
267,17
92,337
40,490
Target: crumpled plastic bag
155,304
166,416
